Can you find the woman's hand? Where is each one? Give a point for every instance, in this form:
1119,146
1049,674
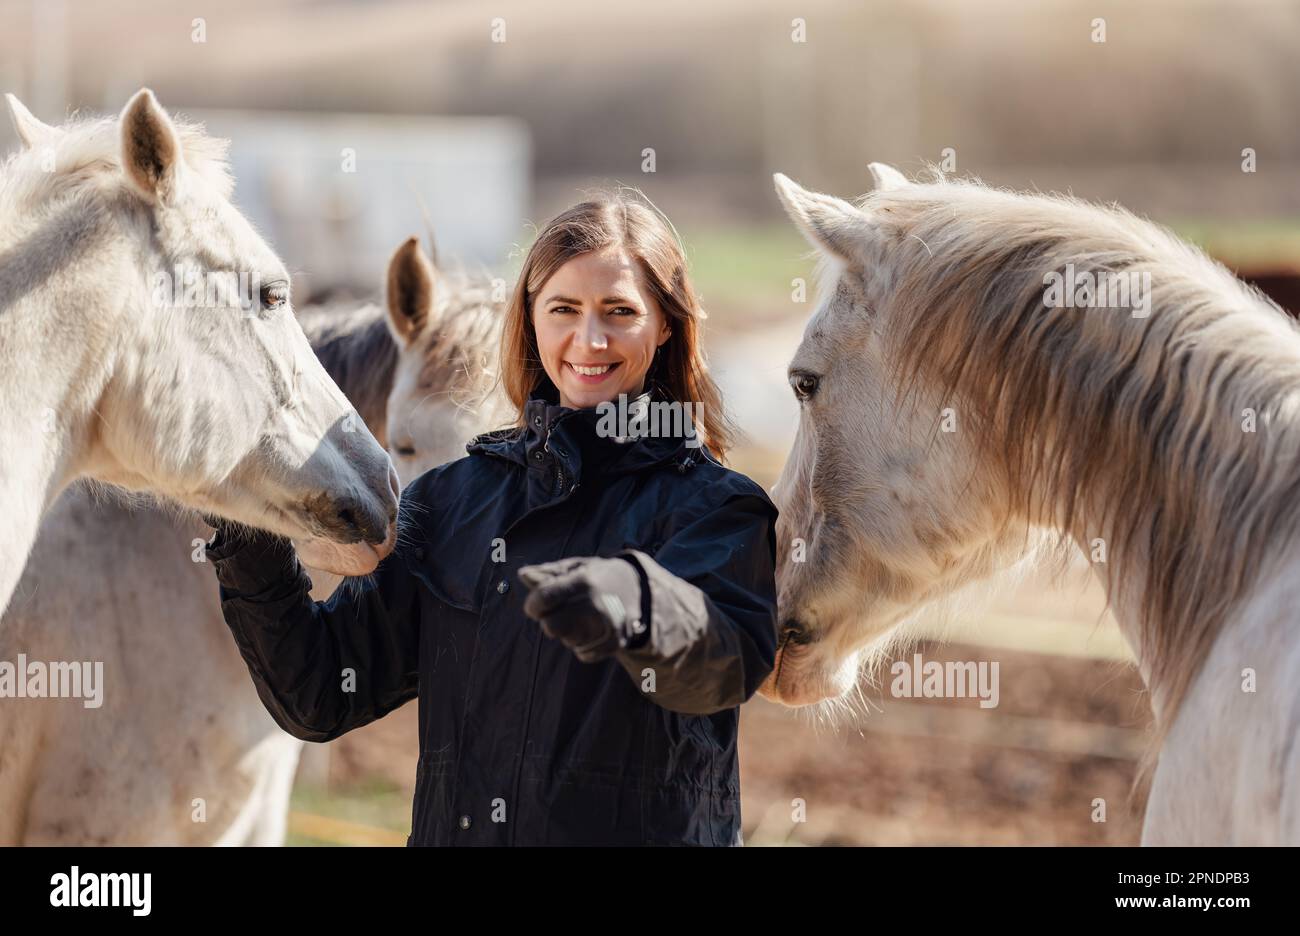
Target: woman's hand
591,605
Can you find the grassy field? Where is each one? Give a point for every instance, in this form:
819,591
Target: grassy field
1245,245
743,274
357,811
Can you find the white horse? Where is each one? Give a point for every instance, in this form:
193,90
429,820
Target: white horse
985,366
113,366
182,751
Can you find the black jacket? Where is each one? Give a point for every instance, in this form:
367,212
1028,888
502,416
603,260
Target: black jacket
521,743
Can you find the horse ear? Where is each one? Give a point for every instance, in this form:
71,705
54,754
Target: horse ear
30,131
410,291
151,148
887,177
829,223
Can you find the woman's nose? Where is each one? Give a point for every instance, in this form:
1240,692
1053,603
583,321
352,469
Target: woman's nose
593,335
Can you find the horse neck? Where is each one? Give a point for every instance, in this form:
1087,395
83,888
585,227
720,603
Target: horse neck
1269,604
1207,510
50,387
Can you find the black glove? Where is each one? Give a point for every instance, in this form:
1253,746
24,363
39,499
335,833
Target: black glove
592,605
225,533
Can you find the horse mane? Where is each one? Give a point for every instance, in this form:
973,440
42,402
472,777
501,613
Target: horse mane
356,349
1094,414
87,151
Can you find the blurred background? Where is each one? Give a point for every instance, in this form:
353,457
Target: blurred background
356,124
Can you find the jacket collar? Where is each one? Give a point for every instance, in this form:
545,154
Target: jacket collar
579,438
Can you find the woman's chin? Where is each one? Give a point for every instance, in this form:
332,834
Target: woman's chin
349,559
580,394
580,399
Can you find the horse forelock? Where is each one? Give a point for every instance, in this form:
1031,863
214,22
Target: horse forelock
461,348
1095,412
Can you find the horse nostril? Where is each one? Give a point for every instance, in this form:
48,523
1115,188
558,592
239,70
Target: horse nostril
355,523
793,631
348,521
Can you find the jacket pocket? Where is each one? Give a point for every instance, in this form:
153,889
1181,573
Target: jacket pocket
450,591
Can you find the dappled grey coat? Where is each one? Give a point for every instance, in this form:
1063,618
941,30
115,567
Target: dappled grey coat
520,742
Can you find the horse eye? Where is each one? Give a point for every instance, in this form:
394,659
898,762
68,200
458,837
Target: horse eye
406,451
804,384
274,295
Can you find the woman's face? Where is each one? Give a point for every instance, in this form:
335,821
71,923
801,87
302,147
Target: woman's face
597,328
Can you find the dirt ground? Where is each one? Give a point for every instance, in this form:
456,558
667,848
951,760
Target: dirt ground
946,772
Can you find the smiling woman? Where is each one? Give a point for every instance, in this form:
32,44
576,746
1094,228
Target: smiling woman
599,316
602,292
648,564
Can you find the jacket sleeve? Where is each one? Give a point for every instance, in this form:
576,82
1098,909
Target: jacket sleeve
321,669
709,595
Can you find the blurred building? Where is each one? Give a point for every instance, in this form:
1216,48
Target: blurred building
336,193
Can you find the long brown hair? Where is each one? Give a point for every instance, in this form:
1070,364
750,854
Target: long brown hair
619,221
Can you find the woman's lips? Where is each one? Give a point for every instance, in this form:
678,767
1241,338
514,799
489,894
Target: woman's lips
589,377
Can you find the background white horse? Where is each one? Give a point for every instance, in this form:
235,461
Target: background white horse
107,581
215,402
950,408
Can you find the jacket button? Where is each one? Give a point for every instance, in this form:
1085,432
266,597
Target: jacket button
537,421
502,587
465,822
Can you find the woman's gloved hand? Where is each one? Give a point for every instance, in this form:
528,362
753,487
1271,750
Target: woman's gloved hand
592,605
226,534
212,520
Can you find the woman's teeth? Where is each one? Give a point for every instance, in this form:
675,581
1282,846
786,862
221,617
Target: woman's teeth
591,371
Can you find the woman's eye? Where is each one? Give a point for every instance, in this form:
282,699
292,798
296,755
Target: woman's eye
274,295
804,384
562,309
624,310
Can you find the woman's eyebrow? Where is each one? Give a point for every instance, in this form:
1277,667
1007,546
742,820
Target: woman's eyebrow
618,300
565,299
